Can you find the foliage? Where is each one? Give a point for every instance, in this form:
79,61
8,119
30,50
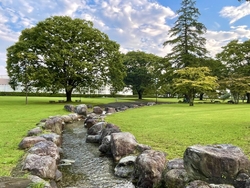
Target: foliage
192,80
236,58
64,53
186,37
140,68
238,86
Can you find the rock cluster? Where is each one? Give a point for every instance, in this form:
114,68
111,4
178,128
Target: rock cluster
43,146
211,166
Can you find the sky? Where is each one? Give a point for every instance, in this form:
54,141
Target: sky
134,24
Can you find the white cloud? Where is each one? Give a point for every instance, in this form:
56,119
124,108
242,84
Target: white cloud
134,24
215,40
236,13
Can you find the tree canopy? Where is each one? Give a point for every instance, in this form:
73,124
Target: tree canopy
140,68
64,53
192,80
236,58
186,37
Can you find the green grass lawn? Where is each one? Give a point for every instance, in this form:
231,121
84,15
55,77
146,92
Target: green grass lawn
167,127
17,118
173,127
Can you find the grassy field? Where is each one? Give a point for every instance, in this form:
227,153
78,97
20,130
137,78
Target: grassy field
174,127
167,127
17,118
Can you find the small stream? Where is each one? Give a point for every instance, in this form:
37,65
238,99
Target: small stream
90,170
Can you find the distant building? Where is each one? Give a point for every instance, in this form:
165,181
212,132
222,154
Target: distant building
4,84
104,90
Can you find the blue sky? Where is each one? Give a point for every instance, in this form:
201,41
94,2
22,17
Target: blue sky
134,24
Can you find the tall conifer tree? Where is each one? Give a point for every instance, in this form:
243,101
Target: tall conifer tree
186,37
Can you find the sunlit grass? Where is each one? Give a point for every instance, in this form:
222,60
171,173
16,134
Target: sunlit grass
17,118
167,127
173,127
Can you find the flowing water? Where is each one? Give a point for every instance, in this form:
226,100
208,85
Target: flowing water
90,169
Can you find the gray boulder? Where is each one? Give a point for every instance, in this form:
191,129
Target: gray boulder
219,164
43,166
53,137
75,117
177,178
175,175
45,148
14,182
110,110
89,122
142,147
97,110
125,167
109,131
55,124
27,142
81,109
122,144
175,164
105,146
67,118
96,129
198,184
34,132
93,138
69,107
149,167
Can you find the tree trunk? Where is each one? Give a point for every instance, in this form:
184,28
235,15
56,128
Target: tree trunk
139,94
186,99
201,96
68,95
191,98
248,97
191,101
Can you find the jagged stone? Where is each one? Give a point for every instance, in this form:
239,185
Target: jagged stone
122,144
69,107
53,137
43,166
149,167
34,132
14,182
219,164
105,147
97,110
27,142
96,129
81,109
45,148
55,124
125,167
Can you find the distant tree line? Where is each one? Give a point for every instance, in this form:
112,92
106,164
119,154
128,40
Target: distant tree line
70,54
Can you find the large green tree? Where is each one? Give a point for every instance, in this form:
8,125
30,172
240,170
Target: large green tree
65,53
140,68
192,80
236,58
186,37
